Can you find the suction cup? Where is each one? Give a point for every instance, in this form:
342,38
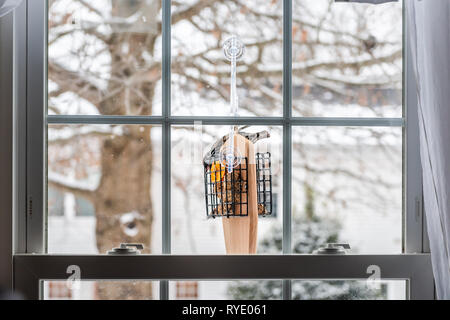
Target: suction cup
230,158
233,48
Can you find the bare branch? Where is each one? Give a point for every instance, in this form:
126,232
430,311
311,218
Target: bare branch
64,184
192,10
70,81
90,7
80,135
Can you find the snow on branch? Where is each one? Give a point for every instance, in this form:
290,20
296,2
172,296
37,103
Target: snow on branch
192,10
70,185
73,82
298,69
67,134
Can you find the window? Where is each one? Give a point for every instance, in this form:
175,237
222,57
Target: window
137,92
95,290
58,290
187,290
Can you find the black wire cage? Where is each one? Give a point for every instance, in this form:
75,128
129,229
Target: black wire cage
264,183
226,193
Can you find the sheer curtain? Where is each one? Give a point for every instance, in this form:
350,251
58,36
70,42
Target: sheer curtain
429,32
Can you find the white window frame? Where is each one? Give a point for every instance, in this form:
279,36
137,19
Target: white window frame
32,265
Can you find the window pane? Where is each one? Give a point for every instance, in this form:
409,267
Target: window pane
301,290
226,290
347,187
101,290
200,72
347,59
103,187
192,232
104,57
348,290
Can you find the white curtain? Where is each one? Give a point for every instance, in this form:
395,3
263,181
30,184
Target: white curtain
429,32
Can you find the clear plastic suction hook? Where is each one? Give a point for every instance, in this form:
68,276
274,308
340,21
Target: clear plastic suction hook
230,158
233,48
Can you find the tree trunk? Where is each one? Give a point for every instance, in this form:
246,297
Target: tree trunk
123,203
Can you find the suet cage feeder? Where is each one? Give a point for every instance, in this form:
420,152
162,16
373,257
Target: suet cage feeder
241,196
226,194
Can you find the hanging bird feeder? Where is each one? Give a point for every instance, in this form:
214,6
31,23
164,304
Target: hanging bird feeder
238,181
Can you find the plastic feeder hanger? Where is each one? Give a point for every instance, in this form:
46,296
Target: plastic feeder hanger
233,49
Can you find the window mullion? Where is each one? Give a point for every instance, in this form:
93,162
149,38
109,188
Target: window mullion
287,136
166,160
36,126
215,120
412,173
